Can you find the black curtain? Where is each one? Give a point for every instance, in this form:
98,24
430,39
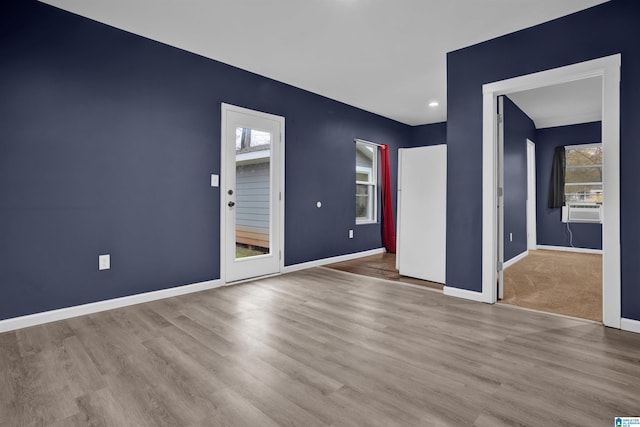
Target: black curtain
556,184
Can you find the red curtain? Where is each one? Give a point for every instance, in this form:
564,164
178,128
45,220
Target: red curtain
388,229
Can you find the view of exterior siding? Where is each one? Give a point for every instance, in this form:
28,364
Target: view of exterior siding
252,202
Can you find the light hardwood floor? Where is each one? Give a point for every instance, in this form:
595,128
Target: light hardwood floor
314,348
381,266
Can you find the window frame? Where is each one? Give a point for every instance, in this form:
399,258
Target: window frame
372,183
593,183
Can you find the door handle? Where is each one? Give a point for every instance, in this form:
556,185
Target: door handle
231,204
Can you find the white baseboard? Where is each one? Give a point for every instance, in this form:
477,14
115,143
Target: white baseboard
630,325
515,259
568,249
463,293
95,307
325,261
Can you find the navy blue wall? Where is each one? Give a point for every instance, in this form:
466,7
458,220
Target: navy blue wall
431,134
107,141
550,229
604,30
517,128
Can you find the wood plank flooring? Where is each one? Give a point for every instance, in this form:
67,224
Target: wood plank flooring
381,266
318,348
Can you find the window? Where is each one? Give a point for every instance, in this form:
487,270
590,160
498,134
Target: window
366,182
250,139
583,173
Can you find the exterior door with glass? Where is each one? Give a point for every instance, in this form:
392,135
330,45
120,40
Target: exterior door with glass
251,194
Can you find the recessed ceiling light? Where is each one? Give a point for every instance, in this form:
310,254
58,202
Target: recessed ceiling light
433,104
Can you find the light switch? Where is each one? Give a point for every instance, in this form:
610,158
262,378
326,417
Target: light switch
104,262
215,180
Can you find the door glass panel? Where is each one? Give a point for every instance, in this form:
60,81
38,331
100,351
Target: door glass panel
253,193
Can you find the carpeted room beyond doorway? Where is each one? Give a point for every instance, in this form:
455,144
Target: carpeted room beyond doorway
567,283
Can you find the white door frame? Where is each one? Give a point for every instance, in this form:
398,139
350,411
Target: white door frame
225,108
609,69
532,226
500,197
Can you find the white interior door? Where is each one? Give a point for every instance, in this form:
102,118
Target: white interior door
500,198
422,212
251,193
532,242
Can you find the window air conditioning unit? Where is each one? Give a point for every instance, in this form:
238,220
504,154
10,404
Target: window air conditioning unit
582,212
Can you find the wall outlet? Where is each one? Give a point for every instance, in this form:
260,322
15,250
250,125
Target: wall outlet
215,180
351,234
104,262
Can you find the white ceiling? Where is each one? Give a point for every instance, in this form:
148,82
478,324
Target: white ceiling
569,103
384,56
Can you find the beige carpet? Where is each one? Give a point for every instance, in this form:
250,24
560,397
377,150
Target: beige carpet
566,283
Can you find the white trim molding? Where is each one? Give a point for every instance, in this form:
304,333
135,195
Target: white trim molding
96,307
464,293
608,68
325,261
569,249
630,325
515,259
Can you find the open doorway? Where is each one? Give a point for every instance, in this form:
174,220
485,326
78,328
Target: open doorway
608,69
532,204
564,274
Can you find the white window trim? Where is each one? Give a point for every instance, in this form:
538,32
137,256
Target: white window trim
373,183
584,146
589,145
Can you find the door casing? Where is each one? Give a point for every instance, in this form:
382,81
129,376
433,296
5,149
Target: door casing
277,188
609,69
532,239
